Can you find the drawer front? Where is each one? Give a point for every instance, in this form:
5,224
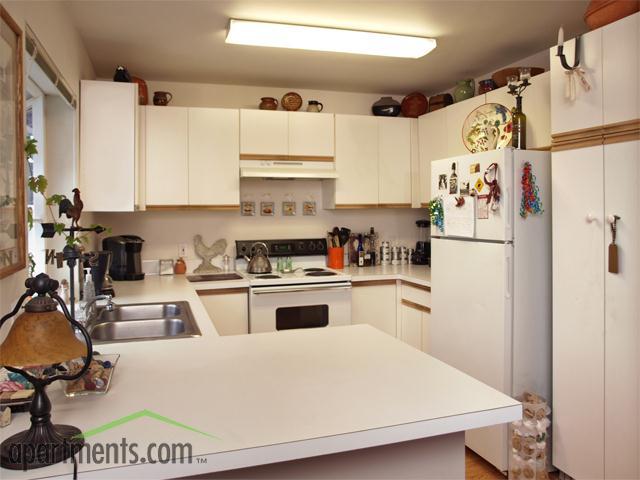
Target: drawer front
416,293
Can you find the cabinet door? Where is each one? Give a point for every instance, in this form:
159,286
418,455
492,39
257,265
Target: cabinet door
264,132
620,69
578,312
394,161
585,110
433,146
456,115
311,134
536,106
108,150
167,156
411,325
374,303
228,310
356,160
426,321
214,157
622,307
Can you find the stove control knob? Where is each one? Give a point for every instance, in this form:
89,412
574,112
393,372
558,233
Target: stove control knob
312,247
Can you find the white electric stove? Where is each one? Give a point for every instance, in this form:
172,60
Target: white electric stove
310,296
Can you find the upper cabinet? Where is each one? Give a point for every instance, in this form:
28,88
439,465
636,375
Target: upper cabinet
192,157
167,156
269,134
394,162
311,135
214,157
455,117
109,146
535,104
610,59
356,163
432,135
264,132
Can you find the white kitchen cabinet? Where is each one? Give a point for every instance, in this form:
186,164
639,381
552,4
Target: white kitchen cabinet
356,163
415,313
264,133
228,309
213,157
394,161
108,170
585,111
311,135
166,138
375,303
455,117
620,67
432,133
595,313
536,106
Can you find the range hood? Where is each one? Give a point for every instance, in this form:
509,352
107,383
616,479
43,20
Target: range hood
287,169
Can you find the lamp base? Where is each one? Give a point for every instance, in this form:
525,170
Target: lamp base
37,448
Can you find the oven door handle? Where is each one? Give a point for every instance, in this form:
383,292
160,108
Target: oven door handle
265,291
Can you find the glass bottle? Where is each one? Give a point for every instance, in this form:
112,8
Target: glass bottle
519,131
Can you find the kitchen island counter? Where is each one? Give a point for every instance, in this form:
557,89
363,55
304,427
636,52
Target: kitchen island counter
275,397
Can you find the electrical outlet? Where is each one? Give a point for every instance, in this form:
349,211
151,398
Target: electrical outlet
182,250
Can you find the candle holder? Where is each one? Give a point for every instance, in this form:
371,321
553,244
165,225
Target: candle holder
576,56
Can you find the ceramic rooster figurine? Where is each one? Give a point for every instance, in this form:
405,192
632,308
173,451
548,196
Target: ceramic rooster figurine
72,210
207,253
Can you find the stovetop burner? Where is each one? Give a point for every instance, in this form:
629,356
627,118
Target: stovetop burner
268,276
320,273
314,269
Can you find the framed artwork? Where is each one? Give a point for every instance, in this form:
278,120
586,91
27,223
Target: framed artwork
247,208
267,209
288,209
309,207
12,159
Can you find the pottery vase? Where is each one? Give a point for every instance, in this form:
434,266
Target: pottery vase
386,107
268,103
464,90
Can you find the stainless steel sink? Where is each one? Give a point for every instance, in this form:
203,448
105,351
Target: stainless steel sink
214,277
143,321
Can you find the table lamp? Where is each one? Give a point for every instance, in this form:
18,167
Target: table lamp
42,336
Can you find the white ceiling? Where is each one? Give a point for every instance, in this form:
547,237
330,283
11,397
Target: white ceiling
184,40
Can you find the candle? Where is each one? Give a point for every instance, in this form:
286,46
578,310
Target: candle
561,36
525,73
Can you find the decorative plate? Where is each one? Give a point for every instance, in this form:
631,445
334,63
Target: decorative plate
488,127
291,101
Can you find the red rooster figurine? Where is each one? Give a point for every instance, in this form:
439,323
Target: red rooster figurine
72,210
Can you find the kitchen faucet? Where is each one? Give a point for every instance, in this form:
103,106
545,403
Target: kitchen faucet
88,316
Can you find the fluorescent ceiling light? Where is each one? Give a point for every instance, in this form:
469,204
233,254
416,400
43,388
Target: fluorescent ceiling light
281,35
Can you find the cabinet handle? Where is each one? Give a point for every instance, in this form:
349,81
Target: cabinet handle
590,218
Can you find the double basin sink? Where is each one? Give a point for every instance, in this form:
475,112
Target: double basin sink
143,321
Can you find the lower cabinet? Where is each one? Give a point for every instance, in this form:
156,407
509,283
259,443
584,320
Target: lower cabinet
228,309
375,303
414,324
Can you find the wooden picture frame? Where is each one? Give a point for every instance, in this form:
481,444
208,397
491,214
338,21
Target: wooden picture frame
13,229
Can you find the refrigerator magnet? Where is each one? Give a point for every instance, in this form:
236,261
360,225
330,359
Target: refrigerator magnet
442,182
474,168
482,207
479,185
453,180
464,189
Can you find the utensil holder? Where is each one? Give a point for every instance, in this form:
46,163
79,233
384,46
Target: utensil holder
335,257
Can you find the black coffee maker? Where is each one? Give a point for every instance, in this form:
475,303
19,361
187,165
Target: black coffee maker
126,262
422,253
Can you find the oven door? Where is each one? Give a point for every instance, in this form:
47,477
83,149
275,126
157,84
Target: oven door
285,307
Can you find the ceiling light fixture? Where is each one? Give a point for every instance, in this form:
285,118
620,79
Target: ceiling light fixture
281,35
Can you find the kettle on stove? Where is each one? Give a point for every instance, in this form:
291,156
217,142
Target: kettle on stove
259,261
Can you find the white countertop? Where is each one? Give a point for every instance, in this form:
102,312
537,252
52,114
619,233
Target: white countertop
268,397
419,274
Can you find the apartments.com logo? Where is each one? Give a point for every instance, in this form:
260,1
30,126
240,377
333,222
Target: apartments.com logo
124,452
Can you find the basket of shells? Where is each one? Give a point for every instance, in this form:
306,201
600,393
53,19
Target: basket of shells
529,441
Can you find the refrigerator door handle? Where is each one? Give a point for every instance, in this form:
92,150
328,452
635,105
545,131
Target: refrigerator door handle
507,276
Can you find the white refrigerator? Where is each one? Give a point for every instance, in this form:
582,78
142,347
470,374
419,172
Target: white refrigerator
491,280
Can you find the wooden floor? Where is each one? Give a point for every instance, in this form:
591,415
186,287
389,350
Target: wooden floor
477,468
